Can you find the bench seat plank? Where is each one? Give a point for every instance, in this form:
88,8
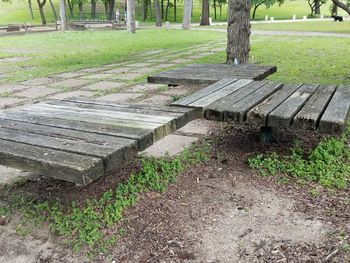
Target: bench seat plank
76,168
238,111
219,94
203,92
217,109
308,117
144,137
258,115
283,115
335,116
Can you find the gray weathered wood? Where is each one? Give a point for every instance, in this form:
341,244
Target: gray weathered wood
238,111
336,114
75,168
208,74
308,117
112,156
221,107
203,92
258,115
144,137
211,98
283,115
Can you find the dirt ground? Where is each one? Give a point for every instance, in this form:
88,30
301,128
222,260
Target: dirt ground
218,211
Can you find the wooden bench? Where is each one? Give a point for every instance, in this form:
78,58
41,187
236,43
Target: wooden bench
79,140
322,108
17,27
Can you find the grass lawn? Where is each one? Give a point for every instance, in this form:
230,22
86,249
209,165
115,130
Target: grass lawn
55,52
315,26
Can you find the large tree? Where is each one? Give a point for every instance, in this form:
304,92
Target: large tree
315,6
205,13
131,16
186,20
158,13
255,4
238,32
41,5
342,5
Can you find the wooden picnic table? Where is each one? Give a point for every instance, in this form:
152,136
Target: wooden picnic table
79,140
322,108
198,74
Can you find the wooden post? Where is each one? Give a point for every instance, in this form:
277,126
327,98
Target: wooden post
265,135
63,15
131,16
238,32
186,21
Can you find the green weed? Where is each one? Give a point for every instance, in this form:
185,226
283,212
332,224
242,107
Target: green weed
328,164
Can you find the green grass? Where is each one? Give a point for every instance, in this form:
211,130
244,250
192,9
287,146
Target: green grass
328,164
84,225
313,26
300,59
55,52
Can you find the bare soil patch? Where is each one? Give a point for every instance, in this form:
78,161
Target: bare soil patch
219,211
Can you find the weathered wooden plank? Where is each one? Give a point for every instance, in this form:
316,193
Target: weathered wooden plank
207,100
221,107
159,130
208,73
258,115
203,92
75,168
283,115
239,110
112,156
336,114
144,137
180,118
308,117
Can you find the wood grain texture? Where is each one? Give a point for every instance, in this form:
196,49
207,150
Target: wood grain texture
283,115
336,114
309,116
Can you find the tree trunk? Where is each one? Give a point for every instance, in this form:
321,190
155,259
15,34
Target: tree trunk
131,16
70,6
166,10
158,14
80,5
214,5
186,20
238,32
317,7
30,8
162,5
111,4
63,15
220,11
205,13
41,9
144,9
341,5
254,10
175,10
93,9
53,10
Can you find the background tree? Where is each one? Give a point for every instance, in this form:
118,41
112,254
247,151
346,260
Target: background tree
53,10
131,16
238,31
158,14
71,7
30,8
93,9
186,20
342,5
205,13
255,4
221,3
41,11
315,6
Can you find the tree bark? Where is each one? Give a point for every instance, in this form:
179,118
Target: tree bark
214,5
63,15
186,20
158,14
41,10
175,10
131,16
162,5
238,31
93,9
80,5
205,13
167,10
341,5
317,7
30,8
